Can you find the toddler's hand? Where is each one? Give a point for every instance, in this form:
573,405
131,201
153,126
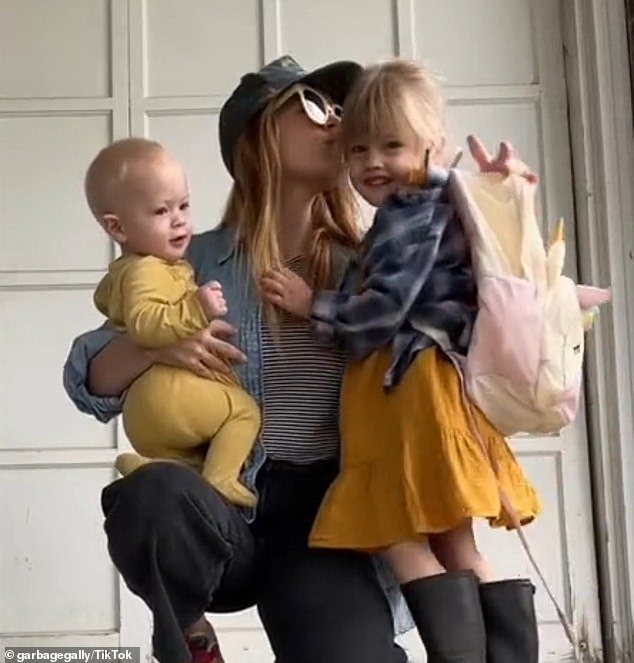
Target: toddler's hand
289,291
505,162
212,300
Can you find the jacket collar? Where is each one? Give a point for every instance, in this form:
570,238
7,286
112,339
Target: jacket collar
226,239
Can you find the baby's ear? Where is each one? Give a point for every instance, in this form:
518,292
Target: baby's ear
112,225
590,296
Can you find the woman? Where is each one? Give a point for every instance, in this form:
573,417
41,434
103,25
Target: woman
177,543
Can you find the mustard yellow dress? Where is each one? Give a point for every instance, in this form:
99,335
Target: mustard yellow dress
410,465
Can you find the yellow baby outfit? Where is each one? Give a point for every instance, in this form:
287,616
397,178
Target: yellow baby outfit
168,412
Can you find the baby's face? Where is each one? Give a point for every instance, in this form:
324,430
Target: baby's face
380,165
154,210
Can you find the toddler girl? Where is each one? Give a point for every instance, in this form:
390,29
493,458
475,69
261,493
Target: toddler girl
413,476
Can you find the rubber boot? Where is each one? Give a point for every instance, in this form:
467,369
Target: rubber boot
510,622
448,615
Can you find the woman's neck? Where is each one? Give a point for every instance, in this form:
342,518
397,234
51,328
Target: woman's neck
294,223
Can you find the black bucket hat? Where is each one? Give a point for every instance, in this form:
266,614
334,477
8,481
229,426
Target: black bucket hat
256,90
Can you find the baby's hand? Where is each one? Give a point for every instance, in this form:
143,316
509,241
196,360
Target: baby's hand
289,291
212,300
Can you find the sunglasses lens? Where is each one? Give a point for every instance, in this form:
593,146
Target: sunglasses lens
315,106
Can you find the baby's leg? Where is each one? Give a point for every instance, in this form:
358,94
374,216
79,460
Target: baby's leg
176,415
457,551
445,606
231,446
126,463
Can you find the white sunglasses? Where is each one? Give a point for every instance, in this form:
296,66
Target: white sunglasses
317,108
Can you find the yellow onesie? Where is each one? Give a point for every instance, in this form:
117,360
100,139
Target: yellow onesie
168,412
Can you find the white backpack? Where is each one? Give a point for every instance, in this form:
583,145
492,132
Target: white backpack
524,366
523,369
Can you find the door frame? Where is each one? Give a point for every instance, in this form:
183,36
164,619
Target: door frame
600,113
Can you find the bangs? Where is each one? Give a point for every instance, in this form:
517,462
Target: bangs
379,109
393,100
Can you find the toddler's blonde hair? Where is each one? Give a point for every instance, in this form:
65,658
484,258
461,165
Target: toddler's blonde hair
393,98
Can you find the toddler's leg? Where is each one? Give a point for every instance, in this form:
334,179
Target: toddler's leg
445,606
412,560
457,551
507,606
231,446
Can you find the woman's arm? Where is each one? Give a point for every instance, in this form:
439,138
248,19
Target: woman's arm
117,366
76,379
120,362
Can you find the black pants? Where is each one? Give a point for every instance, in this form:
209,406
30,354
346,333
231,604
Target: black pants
185,551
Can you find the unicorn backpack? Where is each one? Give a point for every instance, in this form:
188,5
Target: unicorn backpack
524,365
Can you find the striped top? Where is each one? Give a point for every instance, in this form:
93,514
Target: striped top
301,380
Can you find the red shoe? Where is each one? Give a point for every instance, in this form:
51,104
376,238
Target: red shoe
203,650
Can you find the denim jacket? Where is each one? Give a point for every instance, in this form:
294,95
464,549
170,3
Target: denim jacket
214,257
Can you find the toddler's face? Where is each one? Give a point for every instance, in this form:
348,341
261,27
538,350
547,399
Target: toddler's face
380,165
154,212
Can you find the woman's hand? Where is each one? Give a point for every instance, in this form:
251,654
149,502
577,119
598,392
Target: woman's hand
288,291
505,162
204,353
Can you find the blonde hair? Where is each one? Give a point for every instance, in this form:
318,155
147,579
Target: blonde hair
110,169
254,205
393,98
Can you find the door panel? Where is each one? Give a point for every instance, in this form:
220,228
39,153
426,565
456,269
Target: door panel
63,95
142,68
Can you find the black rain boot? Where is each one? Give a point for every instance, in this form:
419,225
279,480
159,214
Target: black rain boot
447,612
508,607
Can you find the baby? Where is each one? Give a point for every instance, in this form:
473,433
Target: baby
139,195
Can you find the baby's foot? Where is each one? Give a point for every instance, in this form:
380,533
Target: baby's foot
126,463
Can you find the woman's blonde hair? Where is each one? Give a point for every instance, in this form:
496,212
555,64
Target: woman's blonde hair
254,204
393,98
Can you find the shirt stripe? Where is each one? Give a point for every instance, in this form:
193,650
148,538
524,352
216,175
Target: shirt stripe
301,381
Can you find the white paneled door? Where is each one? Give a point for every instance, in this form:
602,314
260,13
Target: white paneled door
63,95
75,74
